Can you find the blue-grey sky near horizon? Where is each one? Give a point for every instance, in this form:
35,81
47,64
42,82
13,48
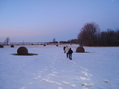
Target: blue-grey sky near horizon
43,20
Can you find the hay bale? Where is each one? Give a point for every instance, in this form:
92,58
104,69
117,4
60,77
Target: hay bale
80,49
22,51
12,46
1,46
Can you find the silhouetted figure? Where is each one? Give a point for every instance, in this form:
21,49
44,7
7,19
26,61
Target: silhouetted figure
64,49
70,54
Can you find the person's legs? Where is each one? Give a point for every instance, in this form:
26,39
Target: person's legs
70,56
67,55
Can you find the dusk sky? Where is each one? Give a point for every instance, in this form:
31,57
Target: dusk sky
43,20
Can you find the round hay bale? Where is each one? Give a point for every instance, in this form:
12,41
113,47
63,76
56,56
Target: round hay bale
22,51
12,46
1,46
80,49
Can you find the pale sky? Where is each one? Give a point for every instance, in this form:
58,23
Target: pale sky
43,20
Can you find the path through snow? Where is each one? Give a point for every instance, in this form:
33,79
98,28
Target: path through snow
60,73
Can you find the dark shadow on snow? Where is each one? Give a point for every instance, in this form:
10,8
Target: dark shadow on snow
29,54
82,52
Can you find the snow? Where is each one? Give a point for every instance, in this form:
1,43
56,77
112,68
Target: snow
98,68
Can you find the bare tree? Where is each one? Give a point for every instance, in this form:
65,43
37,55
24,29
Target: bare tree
109,38
54,40
89,34
6,42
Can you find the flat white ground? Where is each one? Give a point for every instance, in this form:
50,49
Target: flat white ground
50,69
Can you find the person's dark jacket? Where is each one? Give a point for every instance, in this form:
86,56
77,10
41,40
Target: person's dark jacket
70,51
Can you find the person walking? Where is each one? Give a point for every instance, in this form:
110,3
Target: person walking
70,53
66,51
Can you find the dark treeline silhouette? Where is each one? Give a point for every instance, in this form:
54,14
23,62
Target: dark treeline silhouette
91,35
72,41
109,38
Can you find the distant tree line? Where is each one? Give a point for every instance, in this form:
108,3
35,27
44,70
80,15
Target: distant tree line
90,35
72,41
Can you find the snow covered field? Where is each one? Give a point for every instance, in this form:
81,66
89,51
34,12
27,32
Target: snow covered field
50,69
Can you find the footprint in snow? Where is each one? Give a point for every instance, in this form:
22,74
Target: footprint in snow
86,85
46,80
106,81
73,85
86,73
49,81
84,78
66,83
57,83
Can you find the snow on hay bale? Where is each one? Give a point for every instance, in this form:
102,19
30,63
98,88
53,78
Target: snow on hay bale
1,46
22,51
80,49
